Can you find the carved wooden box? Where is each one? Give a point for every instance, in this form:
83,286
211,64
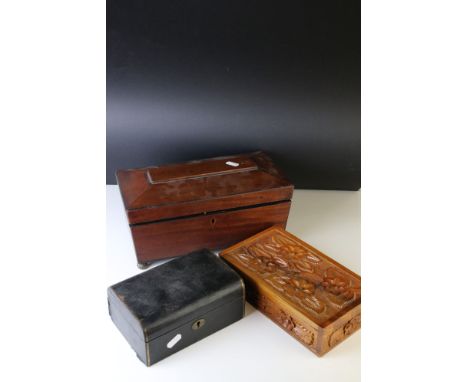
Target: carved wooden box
211,203
311,296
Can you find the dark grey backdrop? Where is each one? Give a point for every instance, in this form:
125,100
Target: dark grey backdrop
195,79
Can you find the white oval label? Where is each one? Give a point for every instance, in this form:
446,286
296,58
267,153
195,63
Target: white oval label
232,164
172,342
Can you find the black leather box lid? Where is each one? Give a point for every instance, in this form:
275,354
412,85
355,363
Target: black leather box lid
165,297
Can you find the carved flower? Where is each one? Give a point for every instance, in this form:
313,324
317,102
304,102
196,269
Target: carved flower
295,250
286,321
352,325
313,303
337,284
249,260
304,334
267,259
303,285
348,328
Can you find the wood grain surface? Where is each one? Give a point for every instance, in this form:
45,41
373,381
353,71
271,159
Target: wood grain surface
171,238
212,203
311,296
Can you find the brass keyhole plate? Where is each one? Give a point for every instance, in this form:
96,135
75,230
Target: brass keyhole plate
198,324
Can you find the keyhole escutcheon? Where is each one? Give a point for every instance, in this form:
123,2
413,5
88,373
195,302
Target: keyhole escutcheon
198,324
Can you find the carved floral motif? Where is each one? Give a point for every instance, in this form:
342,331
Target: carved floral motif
300,274
308,293
285,320
344,331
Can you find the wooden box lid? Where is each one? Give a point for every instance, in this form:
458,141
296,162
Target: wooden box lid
191,188
314,298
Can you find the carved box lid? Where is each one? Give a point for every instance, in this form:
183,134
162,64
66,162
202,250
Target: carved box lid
201,186
292,273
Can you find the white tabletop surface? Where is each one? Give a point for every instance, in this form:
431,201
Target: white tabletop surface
254,348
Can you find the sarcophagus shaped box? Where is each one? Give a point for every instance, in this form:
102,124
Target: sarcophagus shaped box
169,307
311,296
212,203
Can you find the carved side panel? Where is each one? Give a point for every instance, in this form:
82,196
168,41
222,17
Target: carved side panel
344,331
295,327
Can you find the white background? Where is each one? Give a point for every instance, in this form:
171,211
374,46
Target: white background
330,221
414,192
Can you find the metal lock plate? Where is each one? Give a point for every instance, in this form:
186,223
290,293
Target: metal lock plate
198,324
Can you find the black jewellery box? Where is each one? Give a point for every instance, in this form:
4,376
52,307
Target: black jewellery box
169,307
